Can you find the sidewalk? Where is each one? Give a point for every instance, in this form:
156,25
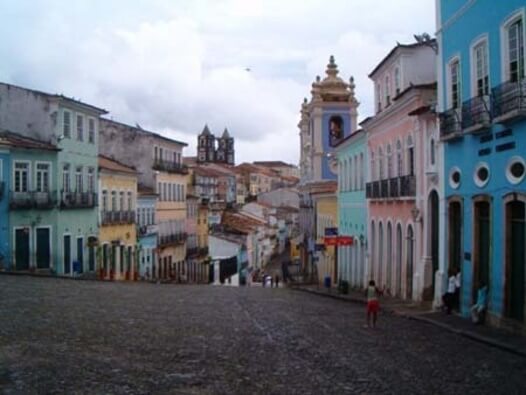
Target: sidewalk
494,337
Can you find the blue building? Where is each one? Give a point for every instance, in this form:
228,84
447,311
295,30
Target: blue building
147,233
352,207
5,260
482,100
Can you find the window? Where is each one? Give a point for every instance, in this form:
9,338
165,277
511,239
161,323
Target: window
455,177
91,180
399,159
387,92
21,177
515,42
104,201
130,205
159,190
165,191
66,185
78,179
80,128
397,81
389,161
454,76
378,98
161,154
516,169
42,177
155,152
91,131
373,178
361,171
481,174
121,201
480,55
432,152
66,124
380,164
114,200
410,156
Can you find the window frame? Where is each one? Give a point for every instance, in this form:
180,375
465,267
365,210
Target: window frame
80,127
28,176
91,131
449,81
481,41
514,17
66,134
49,173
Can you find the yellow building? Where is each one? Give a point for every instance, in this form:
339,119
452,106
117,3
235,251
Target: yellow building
171,217
117,232
326,208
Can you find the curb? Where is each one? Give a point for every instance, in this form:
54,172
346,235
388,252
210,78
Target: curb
45,275
470,335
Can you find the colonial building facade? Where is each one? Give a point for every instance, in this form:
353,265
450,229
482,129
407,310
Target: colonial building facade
482,99
404,83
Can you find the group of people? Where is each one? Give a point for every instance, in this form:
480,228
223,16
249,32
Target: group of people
451,298
271,280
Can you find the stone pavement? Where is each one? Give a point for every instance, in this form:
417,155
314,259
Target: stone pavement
455,323
88,337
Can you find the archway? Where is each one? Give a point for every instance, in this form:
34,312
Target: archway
398,272
410,262
389,256
433,240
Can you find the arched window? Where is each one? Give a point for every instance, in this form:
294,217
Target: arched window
361,170
387,93
389,161
432,152
372,170
378,98
335,129
397,81
410,156
380,164
399,159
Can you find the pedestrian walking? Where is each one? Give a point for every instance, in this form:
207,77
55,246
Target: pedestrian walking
277,280
372,303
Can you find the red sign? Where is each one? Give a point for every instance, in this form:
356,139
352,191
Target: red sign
338,241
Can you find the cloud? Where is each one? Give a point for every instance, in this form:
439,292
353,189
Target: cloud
173,66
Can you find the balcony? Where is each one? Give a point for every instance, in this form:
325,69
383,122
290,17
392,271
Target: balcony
146,230
450,125
31,200
173,239
116,217
476,114
509,101
192,252
392,188
170,167
74,200
407,186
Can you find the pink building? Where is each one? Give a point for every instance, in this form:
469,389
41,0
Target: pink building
405,93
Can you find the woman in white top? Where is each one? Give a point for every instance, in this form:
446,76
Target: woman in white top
449,296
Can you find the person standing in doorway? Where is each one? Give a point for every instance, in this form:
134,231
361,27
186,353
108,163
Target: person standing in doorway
458,282
449,296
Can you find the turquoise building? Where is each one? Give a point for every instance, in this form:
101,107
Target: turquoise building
352,208
482,104
30,195
5,166
147,233
69,211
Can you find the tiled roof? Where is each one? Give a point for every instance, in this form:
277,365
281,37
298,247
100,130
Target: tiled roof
113,165
15,140
239,222
206,171
323,187
275,163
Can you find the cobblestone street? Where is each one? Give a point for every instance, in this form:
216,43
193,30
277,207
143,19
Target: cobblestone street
61,336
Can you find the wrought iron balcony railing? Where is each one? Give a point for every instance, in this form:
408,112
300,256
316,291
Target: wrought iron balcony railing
173,239
391,188
73,200
509,101
476,114
407,186
170,167
116,217
32,200
450,124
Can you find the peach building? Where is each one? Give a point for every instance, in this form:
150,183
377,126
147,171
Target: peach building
397,139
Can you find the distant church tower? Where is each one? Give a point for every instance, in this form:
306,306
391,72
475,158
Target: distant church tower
207,151
225,151
206,146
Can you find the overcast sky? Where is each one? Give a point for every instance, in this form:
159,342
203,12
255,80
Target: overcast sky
172,66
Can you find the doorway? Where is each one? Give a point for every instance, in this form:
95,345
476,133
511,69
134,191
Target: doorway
410,262
22,249
433,238
516,259
399,246
80,254
43,248
481,247
389,259
67,254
